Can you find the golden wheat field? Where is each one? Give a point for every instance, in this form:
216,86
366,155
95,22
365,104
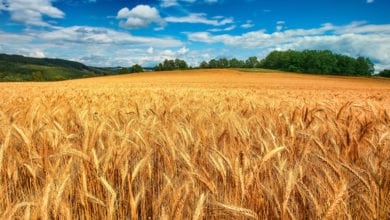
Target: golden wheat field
201,144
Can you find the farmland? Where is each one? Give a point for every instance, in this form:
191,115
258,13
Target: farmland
200,144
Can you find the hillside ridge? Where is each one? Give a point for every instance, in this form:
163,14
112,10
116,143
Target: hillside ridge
22,68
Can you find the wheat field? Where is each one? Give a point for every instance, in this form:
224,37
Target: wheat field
201,144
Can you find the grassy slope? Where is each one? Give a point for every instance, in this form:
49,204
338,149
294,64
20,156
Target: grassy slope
19,68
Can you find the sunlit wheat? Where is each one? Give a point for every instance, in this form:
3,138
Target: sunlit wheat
210,144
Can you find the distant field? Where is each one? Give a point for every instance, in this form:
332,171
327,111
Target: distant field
201,144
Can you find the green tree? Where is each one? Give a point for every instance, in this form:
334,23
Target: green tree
345,65
180,64
318,62
204,65
176,64
123,70
168,64
136,69
213,63
235,63
384,73
251,62
223,63
364,67
272,60
159,67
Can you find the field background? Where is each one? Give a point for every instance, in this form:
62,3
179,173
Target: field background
212,144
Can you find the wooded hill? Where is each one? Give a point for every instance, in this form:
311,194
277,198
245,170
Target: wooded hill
20,68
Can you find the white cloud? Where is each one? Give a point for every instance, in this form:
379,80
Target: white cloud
363,28
280,25
95,35
200,18
12,38
355,39
248,24
37,54
230,28
93,46
171,3
168,53
150,50
30,12
183,51
159,55
370,1
140,16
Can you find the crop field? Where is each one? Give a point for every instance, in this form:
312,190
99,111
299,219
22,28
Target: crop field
200,144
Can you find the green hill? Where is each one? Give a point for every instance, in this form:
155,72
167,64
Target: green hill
19,68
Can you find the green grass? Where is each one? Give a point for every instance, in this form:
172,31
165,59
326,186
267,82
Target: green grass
59,73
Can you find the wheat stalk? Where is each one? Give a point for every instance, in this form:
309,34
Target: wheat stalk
207,144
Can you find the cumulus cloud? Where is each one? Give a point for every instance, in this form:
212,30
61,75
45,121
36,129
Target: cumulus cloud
257,38
96,35
200,18
183,51
12,38
30,12
147,59
140,16
109,47
355,39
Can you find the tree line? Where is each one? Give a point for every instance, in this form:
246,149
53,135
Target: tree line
19,68
133,69
318,62
384,73
176,64
307,61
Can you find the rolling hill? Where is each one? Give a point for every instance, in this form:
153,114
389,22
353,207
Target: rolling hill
20,68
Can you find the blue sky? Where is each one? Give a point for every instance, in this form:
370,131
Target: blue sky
126,32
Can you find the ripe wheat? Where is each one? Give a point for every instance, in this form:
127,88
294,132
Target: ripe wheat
212,147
